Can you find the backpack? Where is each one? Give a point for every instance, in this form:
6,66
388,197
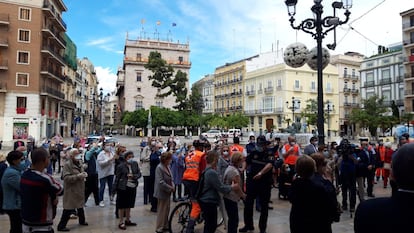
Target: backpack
200,186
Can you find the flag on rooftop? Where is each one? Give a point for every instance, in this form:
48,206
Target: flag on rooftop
158,22
174,24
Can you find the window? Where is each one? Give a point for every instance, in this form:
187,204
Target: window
139,77
158,104
180,59
260,121
328,87
22,79
386,74
279,83
353,72
252,121
24,35
268,104
345,71
313,85
297,84
370,76
24,14
138,89
138,57
21,102
138,104
22,57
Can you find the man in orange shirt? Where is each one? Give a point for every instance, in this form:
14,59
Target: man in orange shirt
195,164
380,160
290,152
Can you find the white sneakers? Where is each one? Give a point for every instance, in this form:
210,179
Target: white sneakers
101,204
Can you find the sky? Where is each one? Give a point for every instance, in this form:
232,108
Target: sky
220,31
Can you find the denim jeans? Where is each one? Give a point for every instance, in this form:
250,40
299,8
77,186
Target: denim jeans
109,180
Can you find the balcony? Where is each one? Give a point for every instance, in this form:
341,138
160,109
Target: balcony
385,81
249,112
387,103
409,59
4,19
49,91
68,104
4,42
4,64
21,110
407,25
51,52
297,88
279,88
369,84
329,90
51,32
347,90
408,42
347,104
355,105
354,91
49,71
409,92
408,76
399,79
399,102
268,90
260,91
49,9
250,93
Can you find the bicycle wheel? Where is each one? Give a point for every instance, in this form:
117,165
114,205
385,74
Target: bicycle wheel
179,217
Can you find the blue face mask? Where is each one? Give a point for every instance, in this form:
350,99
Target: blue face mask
22,165
160,150
259,148
130,160
25,154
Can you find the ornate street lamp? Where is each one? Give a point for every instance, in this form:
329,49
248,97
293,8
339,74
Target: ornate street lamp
102,108
317,58
329,108
295,105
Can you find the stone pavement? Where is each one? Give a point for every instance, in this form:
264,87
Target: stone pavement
102,219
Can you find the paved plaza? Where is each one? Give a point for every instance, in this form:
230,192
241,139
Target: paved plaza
102,219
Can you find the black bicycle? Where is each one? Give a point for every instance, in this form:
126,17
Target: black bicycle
180,215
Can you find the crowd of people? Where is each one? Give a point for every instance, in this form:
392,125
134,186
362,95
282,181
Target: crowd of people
209,174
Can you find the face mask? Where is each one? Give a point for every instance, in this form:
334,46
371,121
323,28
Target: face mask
25,154
226,153
326,153
153,143
315,143
160,150
78,157
22,165
107,148
292,143
130,160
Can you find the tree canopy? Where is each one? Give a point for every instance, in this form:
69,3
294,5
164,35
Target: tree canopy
371,115
163,78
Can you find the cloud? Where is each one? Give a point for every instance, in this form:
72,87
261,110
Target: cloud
99,41
106,78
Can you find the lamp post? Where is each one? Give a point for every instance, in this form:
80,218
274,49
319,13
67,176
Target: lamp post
293,107
102,108
329,108
315,27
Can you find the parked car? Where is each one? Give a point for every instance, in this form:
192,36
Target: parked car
212,133
233,132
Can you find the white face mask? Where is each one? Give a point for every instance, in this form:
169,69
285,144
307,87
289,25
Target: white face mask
78,157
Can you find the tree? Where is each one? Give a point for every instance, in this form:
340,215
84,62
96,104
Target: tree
163,78
237,121
370,115
196,100
309,112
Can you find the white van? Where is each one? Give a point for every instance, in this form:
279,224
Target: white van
234,132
